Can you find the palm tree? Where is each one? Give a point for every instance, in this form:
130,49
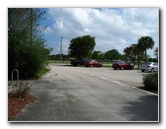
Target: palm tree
156,52
137,53
134,53
145,43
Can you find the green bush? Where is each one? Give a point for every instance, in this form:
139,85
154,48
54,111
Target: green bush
27,51
150,81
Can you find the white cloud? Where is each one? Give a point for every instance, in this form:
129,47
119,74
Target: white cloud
115,28
48,30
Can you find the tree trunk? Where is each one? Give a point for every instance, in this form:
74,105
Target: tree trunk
145,56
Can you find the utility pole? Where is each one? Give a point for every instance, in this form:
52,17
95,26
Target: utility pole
61,50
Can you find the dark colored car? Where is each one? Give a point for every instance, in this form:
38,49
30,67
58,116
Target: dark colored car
78,62
122,65
93,63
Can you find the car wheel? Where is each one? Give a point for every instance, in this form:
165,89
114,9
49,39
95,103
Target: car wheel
132,68
142,70
114,68
152,70
121,68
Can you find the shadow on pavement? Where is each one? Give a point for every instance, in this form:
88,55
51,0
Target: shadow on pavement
143,109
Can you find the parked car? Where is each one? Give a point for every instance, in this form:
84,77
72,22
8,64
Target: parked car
93,63
149,67
122,65
78,62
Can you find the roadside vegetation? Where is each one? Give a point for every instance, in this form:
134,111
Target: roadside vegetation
27,51
150,82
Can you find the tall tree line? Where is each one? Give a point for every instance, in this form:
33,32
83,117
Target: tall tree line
138,52
26,48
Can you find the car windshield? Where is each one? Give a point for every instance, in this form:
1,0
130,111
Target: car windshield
148,63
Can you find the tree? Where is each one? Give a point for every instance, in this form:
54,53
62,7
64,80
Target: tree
137,53
81,47
134,53
96,54
156,52
112,55
26,47
129,53
145,43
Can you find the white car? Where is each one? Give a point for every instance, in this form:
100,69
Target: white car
149,67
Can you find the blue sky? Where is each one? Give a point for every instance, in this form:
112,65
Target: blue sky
114,28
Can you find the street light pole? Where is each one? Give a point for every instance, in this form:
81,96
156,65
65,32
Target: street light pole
61,50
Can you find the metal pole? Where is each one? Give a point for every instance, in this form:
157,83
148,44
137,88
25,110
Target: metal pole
17,77
61,50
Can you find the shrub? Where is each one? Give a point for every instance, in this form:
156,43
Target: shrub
22,91
150,81
27,51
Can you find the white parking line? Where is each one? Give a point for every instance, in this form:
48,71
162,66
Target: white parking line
117,82
103,78
93,74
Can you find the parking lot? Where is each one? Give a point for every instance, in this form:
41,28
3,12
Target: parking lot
91,94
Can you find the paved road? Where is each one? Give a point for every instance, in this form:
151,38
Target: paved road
90,94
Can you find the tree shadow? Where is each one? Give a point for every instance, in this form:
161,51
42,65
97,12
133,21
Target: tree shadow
143,109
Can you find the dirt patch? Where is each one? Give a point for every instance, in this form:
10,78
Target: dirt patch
15,105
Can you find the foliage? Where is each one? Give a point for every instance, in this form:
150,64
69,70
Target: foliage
21,91
112,54
57,57
135,51
152,59
156,52
150,81
43,71
144,43
96,54
26,49
81,47
129,52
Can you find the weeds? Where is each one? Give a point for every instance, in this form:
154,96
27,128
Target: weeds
21,90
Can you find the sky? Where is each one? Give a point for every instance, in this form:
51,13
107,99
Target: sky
113,28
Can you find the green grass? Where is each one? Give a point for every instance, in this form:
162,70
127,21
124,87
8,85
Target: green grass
136,69
107,66
42,72
58,62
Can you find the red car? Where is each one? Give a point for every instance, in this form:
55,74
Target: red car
122,65
93,63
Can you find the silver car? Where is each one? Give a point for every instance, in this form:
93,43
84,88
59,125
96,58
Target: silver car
149,67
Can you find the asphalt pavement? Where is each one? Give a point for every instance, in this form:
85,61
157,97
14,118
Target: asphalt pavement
79,94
